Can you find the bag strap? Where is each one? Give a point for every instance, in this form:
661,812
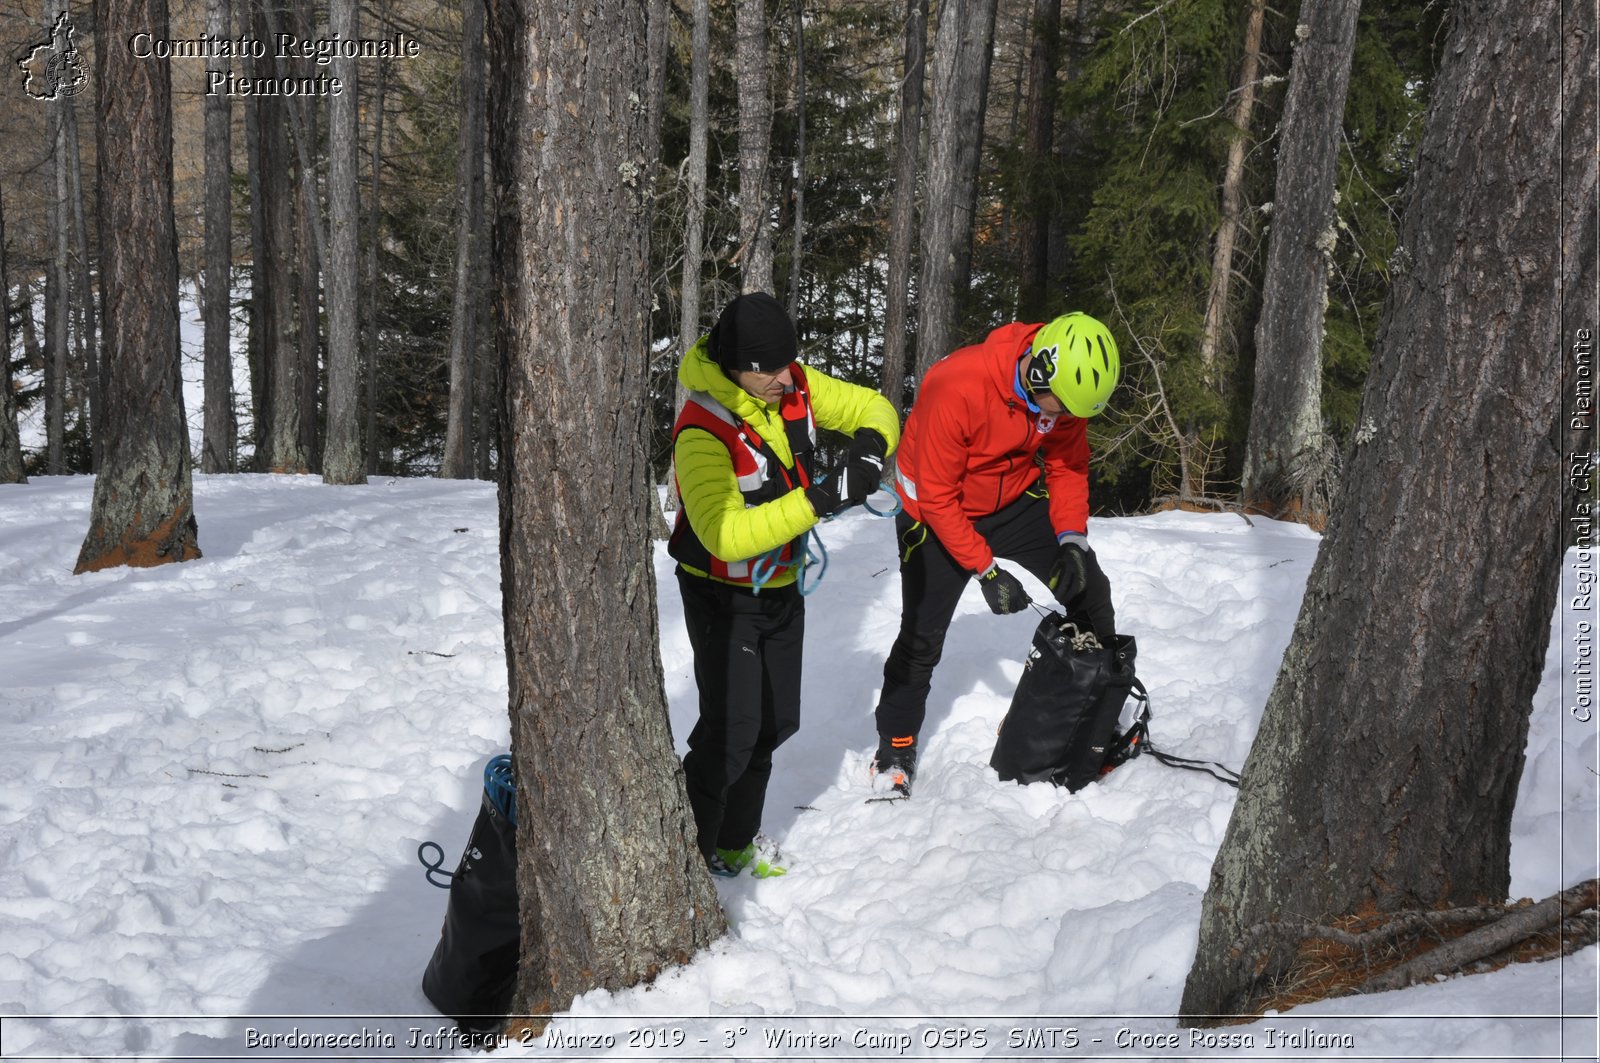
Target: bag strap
1220,772
1136,740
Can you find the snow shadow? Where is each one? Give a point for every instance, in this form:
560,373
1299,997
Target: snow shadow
360,982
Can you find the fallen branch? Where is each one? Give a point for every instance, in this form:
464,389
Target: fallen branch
1498,936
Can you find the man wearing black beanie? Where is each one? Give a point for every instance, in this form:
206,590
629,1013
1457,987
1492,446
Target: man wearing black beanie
744,450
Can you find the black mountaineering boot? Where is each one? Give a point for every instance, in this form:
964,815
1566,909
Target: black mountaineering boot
895,765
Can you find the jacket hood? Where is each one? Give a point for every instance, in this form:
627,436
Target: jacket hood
1006,345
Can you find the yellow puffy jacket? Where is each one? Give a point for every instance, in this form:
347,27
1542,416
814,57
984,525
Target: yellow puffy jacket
710,493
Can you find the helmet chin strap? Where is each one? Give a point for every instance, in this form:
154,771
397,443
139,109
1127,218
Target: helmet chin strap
1044,422
1024,393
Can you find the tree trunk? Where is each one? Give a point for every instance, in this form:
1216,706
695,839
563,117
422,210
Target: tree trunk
1392,744
10,439
343,461
699,126
220,430
58,286
94,377
961,52
611,886
903,208
1216,319
374,220
273,285
755,145
1288,457
1033,286
799,157
258,330
458,440
143,510
310,254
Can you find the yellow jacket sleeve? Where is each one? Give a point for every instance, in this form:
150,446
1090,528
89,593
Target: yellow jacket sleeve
848,408
716,510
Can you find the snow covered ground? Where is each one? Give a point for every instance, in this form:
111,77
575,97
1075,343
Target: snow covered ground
214,778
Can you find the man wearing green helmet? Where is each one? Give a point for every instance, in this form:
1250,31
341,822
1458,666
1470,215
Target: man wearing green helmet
993,462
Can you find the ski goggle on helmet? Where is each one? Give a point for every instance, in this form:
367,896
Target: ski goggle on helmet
1077,357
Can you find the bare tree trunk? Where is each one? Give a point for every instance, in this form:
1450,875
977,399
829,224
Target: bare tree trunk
1211,335
1040,148
375,219
58,285
903,208
961,53
1288,456
94,376
343,461
259,335
274,276
799,157
458,440
143,508
755,145
1392,744
699,126
611,887
10,439
309,259
220,430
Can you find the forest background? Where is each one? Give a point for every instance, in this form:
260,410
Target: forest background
1122,145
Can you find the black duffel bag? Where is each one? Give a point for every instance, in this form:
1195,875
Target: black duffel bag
473,971
1064,722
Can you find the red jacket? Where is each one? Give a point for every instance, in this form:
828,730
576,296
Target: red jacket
970,444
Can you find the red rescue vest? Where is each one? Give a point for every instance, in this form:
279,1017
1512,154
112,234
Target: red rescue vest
761,474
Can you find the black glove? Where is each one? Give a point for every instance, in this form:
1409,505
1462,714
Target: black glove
1002,591
865,463
1082,588
1070,573
827,496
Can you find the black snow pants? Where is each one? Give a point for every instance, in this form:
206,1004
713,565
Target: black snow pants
931,582
747,666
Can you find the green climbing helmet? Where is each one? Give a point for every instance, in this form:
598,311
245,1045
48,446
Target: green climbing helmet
1077,356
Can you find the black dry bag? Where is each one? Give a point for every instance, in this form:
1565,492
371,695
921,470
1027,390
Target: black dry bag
474,967
1063,722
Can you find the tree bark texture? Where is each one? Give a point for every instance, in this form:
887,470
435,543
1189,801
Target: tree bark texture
374,220
755,144
799,158
1217,301
58,285
1040,147
903,207
10,439
1386,767
699,134
459,438
88,328
273,276
343,460
220,431
961,53
1287,467
612,888
143,511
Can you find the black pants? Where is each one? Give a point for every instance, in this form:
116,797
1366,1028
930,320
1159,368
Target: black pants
747,666
931,582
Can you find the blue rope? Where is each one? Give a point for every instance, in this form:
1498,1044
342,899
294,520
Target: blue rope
894,511
820,559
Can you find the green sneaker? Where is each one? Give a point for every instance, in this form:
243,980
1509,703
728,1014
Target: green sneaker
761,856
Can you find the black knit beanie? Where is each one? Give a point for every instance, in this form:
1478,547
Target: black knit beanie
753,333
